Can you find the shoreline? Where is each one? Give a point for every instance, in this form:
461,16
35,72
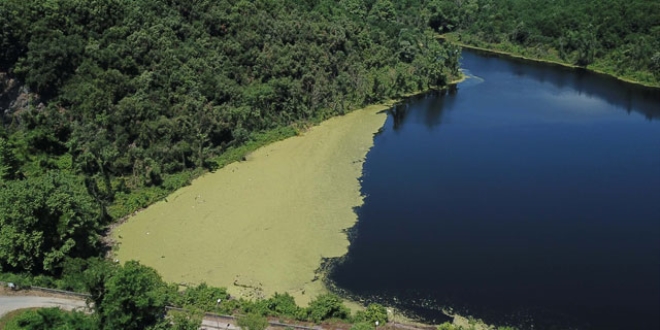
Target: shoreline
544,61
235,227
262,225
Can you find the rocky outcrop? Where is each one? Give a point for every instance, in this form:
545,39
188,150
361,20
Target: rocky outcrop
16,98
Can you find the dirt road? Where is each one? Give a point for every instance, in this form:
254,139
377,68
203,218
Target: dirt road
11,303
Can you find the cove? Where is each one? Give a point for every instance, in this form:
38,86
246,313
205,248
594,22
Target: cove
262,225
528,196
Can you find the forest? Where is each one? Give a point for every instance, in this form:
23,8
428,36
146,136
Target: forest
617,37
109,105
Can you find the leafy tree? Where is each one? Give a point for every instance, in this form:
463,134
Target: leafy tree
51,59
96,277
9,165
73,274
283,305
586,48
45,219
327,306
383,10
374,313
355,7
655,64
135,297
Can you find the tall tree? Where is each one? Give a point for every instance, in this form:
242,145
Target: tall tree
134,298
45,219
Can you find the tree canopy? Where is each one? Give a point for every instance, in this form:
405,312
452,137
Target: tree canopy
135,297
118,102
619,37
44,220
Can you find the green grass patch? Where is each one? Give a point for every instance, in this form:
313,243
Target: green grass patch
51,318
8,321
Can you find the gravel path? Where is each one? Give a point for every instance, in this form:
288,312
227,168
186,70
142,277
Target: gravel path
12,303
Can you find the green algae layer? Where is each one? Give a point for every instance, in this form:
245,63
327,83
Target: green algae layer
262,225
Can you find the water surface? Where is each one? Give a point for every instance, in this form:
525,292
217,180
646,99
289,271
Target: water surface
528,196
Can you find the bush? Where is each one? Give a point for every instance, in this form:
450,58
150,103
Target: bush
259,307
202,297
375,312
20,280
175,181
283,305
186,321
44,281
73,278
252,321
327,306
446,326
51,318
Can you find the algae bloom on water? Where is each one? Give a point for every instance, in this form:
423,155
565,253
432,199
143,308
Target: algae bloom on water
263,225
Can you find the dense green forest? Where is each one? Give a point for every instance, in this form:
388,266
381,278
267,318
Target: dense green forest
618,37
109,105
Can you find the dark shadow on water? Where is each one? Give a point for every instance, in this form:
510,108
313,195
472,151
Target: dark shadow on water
434,103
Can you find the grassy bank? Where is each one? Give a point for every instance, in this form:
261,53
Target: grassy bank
546,55
7,320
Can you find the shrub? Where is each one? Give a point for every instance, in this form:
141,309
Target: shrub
376,312
203,297
283,305
259,307
446,326
52,318
20,280
252,321
190,320
327,306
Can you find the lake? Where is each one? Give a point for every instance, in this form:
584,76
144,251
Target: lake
528,195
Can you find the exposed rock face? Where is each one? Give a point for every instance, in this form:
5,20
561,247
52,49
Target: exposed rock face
15,98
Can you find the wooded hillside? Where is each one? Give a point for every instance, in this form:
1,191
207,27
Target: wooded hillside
111,104
619,37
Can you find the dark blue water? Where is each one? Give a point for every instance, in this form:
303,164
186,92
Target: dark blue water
529,196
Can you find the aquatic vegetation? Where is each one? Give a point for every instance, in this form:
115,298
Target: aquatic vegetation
262,225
